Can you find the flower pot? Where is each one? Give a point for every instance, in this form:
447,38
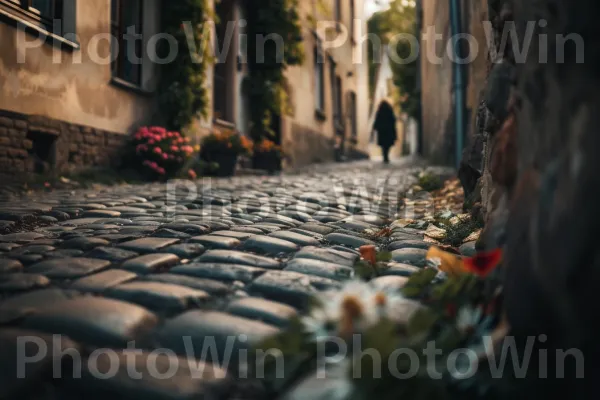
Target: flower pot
267,161
227,163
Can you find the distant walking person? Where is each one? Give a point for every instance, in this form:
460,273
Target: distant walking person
385,128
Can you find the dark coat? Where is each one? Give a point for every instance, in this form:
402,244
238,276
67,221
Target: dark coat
385,125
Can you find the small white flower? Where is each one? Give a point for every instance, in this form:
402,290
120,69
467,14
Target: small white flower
468,317
354,308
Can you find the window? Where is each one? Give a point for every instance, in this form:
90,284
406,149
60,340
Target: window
338,14
126,30
352,113
352,18
319,80
40,12
338,115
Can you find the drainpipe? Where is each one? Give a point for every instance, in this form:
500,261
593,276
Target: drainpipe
458,84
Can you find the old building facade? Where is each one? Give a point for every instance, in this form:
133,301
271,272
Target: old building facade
438,127
69,100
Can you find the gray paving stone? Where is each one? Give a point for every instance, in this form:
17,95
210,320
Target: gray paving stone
149,263
21,238
268,228
68,268
94,320
234,234
414,257
220,272
270,312
191,229
372,220
84,243
101,214
213,287
147,245
114,221
169,233
247,229
468,249
297,215
399,269
328,255
318,228
28,259
118,237
224,330
21,380
17,282
138,230
408,244
101,281
348,240
64,253
269,245
8,265
191,379
320,268
186,250
296,238
356,226
162,298
304,232
397,236
238,257
214,241
289,287
23,304
6,247
113,254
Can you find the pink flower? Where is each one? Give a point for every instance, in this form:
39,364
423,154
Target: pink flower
161,171
187,140
157,150
165,156
154,165
192,174
151,142
174,148
170,134
181,140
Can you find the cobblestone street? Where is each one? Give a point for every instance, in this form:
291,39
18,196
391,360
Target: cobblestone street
174,266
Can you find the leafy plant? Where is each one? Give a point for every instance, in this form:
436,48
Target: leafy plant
266,81
226,142
182,92
161,153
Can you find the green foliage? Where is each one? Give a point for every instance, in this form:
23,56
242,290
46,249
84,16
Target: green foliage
182,92
458,232
266,82
430,182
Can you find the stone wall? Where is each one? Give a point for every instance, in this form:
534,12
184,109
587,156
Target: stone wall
33,144
540,184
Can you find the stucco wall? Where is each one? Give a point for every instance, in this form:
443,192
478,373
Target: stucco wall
349,67
436,68
71,91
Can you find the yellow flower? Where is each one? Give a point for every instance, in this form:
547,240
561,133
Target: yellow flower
197,148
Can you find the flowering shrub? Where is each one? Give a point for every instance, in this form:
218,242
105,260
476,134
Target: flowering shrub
267,146
231,143
162,153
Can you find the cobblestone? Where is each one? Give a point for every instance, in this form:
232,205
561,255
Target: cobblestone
151,264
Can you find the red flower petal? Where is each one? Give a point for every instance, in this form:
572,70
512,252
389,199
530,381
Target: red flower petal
483,263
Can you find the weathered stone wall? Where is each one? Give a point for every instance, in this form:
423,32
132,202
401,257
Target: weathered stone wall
34,144
540,185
